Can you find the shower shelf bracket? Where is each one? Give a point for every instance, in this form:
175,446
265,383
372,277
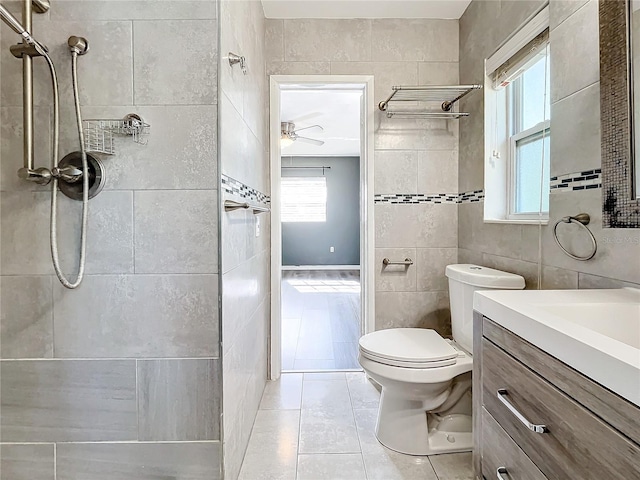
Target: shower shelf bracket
427,99
99,134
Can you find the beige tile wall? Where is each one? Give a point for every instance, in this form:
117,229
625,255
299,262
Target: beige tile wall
575,146
410,156
132,355
245,258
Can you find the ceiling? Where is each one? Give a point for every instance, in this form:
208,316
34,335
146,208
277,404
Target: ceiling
365,8
337,111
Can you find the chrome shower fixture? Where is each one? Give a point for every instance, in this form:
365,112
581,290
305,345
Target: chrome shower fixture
26,50
235,59
40,6
15,25
78,45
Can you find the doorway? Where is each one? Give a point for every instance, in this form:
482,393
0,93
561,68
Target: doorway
322,225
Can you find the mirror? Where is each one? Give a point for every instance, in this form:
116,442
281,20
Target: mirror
634,44
618,117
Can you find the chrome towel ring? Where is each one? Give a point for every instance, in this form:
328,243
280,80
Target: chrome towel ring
582,219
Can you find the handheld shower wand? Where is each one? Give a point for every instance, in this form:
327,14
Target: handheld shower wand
17,27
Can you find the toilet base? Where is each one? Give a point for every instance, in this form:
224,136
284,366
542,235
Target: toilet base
404,426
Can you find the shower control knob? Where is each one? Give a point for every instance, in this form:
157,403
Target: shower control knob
68,173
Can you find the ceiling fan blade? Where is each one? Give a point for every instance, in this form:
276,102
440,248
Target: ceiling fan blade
312,141
308,116
315,127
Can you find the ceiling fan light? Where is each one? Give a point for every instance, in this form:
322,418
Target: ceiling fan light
285,141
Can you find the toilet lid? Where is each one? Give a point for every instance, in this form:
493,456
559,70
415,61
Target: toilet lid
411,345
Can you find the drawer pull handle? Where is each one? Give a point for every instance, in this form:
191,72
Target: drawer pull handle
502,396
501,473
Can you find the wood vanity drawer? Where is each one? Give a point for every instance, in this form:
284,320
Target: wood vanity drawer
500,451
576,443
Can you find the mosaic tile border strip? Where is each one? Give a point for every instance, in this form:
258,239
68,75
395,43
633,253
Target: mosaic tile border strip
571,182
421,198
235,187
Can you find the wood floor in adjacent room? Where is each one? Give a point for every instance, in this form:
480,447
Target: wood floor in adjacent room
320,319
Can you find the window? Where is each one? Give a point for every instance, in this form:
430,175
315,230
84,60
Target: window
517,127
529,151
304,199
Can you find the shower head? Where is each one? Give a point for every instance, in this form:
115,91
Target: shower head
15,25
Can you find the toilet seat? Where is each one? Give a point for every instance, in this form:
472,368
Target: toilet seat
408,348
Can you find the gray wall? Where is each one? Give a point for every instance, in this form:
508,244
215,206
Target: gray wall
308,243
245,257
575,147
411,156
127,382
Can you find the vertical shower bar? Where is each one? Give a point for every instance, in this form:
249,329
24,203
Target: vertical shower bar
27,91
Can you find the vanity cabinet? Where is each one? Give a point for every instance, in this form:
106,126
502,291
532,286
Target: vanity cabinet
536,418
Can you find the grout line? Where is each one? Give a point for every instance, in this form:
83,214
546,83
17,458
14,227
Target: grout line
572,94
111,442
137,403
571,15
101,359
299,429
133,231
133,63
55,461
432,467
355,423
52,281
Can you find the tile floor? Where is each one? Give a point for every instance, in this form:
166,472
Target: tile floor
320,426
320,319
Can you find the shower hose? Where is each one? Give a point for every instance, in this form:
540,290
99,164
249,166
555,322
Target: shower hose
85,171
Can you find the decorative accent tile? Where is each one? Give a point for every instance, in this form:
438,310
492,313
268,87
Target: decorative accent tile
418,198
471,197
571,182
235,187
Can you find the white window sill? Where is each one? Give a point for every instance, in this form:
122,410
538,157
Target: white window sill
544,221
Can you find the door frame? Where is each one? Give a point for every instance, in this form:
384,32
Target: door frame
367,232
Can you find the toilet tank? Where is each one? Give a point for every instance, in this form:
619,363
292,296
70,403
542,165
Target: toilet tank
464,279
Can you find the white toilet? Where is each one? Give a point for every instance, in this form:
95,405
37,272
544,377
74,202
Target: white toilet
425,407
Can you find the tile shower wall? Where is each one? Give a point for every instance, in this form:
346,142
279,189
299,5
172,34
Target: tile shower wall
575,148
411,157
245,256
121,377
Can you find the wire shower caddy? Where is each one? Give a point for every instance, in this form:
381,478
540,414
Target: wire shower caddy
99,134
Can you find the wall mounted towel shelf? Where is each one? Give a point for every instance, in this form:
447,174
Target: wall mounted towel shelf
231,205
444,95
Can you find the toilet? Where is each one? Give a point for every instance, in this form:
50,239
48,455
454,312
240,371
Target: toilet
425,405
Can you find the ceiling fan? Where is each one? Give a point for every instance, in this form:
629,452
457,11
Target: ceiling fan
289,134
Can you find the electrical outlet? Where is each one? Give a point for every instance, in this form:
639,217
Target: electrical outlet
332,249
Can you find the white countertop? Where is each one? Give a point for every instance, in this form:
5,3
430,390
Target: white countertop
597,332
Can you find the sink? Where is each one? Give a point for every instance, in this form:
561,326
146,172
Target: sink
597,332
